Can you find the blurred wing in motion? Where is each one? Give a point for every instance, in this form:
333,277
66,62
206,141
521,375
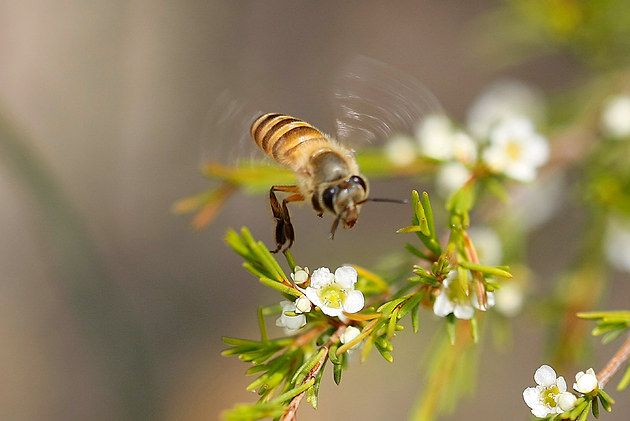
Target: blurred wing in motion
225,137
228,155
372,101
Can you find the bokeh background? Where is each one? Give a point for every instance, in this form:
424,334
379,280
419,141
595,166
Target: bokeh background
111,306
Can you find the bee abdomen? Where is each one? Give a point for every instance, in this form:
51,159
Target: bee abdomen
282,136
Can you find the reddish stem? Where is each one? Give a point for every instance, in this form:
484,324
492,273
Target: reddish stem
615,362
290,414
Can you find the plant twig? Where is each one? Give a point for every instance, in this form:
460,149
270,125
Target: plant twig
290,414
615,362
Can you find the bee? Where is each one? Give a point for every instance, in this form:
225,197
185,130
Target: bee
327,173
371,101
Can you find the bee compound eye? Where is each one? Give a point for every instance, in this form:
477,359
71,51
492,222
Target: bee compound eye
355,179
328,197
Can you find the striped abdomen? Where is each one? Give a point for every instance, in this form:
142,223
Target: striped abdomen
287,139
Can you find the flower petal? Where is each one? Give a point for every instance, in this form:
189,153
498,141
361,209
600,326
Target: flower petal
566,401
464,312
354,301
545,376
531,396
562,384
331,311
586,382
346,276
311,294
349,334
443,306
321,277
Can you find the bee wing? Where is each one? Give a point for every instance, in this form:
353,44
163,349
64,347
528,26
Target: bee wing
225,137
372,100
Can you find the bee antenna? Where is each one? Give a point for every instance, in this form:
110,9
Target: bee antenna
334,227
378,199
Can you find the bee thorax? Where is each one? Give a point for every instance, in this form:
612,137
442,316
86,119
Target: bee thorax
328,166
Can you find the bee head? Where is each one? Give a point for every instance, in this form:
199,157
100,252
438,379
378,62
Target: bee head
344,200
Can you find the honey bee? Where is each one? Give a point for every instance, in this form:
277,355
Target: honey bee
372,101
327,173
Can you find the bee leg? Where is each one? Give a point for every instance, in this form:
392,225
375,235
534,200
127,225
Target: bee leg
284,229
318,209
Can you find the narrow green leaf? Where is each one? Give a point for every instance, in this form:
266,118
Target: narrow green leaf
268,261
332,354
280,287
236,243
367,347
337,371
486,269
387,308
586,411
307,366
290,260
415,323
312,395
386,354
256,369
412,302
391,325
450,328
262,326
236,341
610,315
624,380
410,228
606,399
595,407
426,205
384,343
413,250
474,329
293,392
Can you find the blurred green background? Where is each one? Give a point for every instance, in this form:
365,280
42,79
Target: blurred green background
111,306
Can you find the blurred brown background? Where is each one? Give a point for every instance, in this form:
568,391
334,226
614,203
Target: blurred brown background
111,307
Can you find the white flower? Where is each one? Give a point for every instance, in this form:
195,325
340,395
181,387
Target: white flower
586,382
453,300
510,299
617,244
302,304
435,136
550,396
534,204
464,147
516,149
616,116
451,177
503,100
349,335
488,245
566,401
334,294
300,275
290,323
400,150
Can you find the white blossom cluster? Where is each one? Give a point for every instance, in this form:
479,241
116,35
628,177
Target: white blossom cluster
615,124
615,121
451,298
550,395
333,294
501,138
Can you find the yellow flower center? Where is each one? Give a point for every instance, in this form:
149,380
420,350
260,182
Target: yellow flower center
549,394
332,296
514,150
